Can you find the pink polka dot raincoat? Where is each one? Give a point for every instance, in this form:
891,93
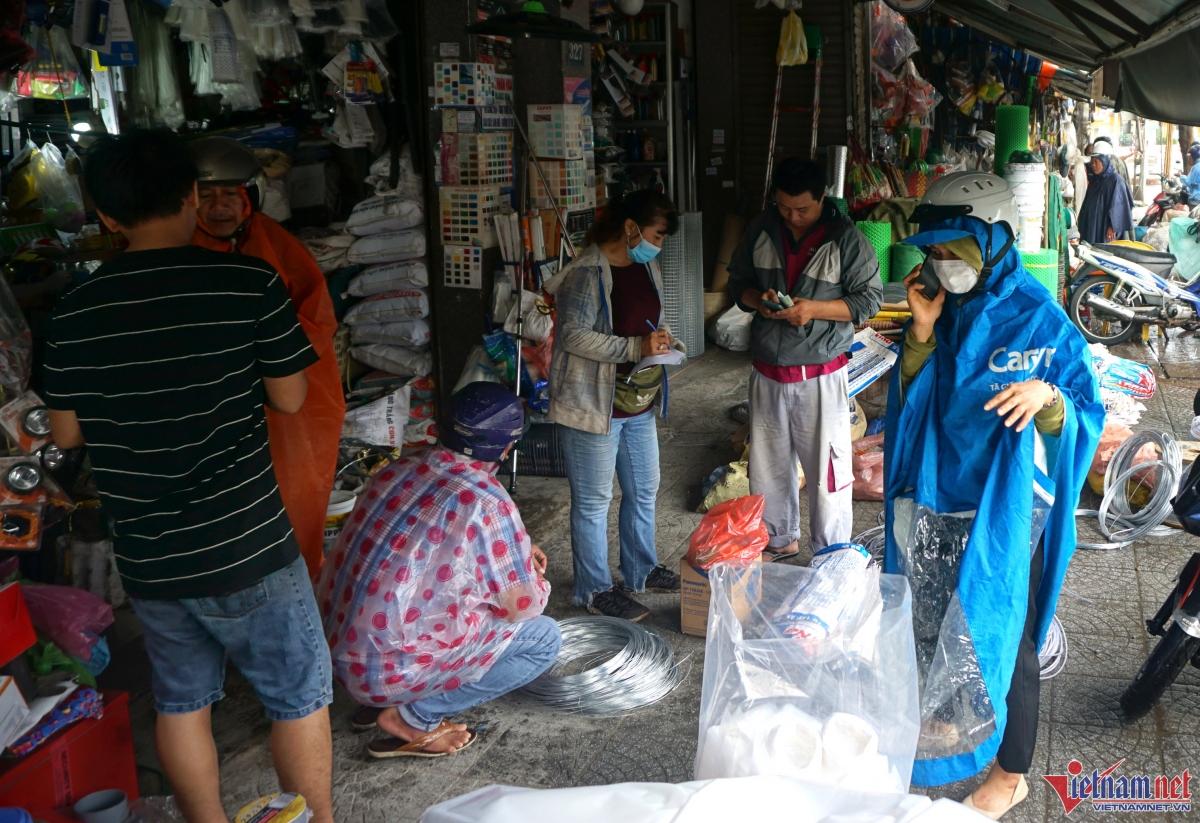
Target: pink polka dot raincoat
429,574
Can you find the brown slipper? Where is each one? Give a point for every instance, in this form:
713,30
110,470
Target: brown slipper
395,747
771,555
364,719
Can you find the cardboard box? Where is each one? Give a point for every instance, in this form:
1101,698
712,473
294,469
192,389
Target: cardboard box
13,710
695,594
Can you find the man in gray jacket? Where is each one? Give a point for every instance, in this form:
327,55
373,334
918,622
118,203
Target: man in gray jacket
805,256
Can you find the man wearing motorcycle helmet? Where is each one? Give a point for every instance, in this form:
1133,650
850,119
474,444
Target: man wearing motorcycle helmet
304,445
433,594
980,504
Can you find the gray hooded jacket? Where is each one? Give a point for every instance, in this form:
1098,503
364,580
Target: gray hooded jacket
583,369
843,267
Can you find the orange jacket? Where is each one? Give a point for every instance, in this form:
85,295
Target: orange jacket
304,445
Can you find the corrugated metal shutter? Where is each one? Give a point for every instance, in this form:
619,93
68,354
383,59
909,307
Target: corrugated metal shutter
758,37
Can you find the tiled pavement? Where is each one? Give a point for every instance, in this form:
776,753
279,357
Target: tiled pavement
1108,594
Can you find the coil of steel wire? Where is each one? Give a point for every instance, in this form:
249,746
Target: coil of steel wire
1121,525
607,666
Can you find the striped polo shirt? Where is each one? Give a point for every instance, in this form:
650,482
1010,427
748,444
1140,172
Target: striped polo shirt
161,354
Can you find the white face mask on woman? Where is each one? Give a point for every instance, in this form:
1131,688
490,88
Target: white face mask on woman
956,276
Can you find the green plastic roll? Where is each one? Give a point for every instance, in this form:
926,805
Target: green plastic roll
1012,133
880,237
839,203
905,258
1043,265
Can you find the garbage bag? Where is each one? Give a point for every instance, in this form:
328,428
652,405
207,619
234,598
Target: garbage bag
867,460
70,617
731,532
839,710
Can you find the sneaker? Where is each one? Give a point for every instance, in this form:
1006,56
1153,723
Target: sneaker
615,603
662,580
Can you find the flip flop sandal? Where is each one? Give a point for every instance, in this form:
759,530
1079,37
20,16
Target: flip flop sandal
395,747
364,719
771,555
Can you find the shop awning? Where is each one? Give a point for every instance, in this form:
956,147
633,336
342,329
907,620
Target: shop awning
1077,34
1155,82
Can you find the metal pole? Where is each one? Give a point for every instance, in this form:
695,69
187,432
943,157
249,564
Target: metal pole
774,128
670,37
546,186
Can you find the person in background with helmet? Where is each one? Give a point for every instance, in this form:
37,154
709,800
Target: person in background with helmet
807,251
980,504
1192,181
1107,211
432,597
304,446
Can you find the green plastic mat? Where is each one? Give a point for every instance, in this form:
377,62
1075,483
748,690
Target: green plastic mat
1043,265
1012,133
905,258
880,237
839,203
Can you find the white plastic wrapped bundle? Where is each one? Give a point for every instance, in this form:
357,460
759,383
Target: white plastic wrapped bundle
152,98
407,274
389,307
835,588
413,333
840,710
408,244
394,359
385,213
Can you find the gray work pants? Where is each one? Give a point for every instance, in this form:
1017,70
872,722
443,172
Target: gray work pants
807,422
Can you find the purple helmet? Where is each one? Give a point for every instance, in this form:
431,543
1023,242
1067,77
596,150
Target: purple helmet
485,419
1194,152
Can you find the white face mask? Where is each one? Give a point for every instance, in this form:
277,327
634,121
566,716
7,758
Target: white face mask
956,276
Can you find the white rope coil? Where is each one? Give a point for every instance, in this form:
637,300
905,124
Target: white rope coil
1053,656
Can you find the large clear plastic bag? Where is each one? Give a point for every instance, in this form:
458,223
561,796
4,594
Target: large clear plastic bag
957,714
57,189
841,710
54,73
892,42
153,98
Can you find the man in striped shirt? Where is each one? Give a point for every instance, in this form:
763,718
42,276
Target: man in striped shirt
161,363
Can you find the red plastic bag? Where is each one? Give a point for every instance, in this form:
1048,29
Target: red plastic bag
731,532
867,459
67,616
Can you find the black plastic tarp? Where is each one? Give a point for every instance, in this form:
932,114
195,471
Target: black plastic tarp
1159,82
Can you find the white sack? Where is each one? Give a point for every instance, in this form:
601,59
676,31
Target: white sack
408,244
408,274
389,307
385,213
394,359
732,330
413,333
380,422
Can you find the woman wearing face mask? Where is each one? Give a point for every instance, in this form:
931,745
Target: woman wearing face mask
609,317
979,503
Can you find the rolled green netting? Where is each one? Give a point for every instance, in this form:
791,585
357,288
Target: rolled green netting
880,237
839,203
1012,133
905,258
1043,265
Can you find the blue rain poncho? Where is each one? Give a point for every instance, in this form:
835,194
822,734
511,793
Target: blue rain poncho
967,499
1108,203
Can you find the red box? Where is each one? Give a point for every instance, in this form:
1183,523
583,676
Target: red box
86,757
16,629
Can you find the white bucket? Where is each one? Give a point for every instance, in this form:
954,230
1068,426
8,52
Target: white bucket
341,503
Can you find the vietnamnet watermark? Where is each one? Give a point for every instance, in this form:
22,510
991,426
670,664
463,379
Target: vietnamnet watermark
1108,792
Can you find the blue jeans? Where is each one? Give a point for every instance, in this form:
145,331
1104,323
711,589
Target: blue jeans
531,651
271,631
631,449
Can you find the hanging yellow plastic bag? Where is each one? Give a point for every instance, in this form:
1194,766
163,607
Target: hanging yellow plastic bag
793,45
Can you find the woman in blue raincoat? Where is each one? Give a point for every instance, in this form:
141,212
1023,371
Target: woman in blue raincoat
980,504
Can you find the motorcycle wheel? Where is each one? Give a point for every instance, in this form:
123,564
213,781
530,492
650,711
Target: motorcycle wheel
1097,329
1159,671
1148,220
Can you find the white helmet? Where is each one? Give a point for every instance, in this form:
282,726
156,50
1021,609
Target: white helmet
968,194
630,7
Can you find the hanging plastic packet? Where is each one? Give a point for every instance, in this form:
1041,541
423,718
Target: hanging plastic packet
793,44
362,85
58,191
813,611
991,87
54,74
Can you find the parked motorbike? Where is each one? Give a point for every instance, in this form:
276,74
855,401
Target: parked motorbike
1177,622
1172,196
1116,289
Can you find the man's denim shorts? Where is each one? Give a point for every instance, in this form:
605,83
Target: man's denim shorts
271,631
